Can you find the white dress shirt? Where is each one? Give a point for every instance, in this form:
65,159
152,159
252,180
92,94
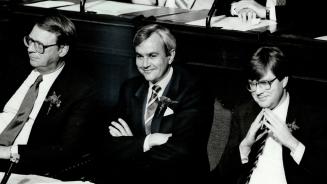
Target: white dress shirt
15,101
270,168
163,84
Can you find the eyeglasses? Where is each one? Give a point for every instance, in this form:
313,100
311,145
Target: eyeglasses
38,46
265,84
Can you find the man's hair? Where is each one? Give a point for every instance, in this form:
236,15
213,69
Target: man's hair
265,59
59,25
164,33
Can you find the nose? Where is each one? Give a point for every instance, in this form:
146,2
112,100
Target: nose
31,48
259,90
146,62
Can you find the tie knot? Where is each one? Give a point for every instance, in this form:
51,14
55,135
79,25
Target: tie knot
39,79
156,88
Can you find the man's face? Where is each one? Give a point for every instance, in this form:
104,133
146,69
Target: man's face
151,59
47,61
269,98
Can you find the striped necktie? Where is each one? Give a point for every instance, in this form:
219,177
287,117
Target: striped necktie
256,151
9,134
184,4
151,108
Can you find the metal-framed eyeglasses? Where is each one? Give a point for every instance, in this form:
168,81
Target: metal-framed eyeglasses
38,46
264,84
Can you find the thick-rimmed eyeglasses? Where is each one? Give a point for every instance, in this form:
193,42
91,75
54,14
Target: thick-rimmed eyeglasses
38,46
265,84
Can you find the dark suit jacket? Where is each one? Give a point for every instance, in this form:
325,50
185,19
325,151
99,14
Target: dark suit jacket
311,133
63,134
184,156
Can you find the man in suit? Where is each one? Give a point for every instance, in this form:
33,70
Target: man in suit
57,129
276,137
168,145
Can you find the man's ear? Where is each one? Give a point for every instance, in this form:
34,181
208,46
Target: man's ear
63,50
171,56
285,81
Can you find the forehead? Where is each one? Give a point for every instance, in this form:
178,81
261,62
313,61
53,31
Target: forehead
152,44
42,35
268,75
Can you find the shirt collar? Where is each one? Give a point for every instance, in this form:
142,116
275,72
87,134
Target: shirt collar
48,75
281,109
163,82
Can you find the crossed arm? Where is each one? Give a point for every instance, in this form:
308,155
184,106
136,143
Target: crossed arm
121,128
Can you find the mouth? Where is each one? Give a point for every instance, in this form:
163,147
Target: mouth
262,98
147,71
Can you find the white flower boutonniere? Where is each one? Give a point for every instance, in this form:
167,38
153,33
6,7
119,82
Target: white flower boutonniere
165,102
292,126
53,100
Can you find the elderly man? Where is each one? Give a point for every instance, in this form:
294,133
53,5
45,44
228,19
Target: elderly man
45,117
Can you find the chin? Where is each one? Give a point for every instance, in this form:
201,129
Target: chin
263,104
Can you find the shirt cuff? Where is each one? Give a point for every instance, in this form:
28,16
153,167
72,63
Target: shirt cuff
14,149
244,158
146,146
298,153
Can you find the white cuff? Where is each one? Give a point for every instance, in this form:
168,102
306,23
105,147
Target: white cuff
14,149
146,146
244,158
298,153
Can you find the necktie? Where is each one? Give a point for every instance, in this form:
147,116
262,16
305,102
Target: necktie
280,2
9,134
184,4
256,151
151,108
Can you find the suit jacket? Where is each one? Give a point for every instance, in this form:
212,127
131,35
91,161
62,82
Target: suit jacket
311,133
184,156
64,133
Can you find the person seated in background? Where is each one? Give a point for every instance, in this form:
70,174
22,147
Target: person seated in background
183,4
292,14
163,117
276,137
45,120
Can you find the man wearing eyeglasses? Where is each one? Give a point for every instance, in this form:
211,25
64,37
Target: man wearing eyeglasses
275,138
45,119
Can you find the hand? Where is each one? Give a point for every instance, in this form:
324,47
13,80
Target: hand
158,139
259,10
120,129
247,15
250,138
279,130
4,152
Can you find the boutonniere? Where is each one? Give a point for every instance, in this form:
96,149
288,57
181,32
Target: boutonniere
53,100
165,102
292,126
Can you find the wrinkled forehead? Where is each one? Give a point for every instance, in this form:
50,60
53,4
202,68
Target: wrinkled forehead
42,35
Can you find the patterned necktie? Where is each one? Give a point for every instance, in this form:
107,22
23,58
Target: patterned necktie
9,134
151,108
280,2
184,4
256,151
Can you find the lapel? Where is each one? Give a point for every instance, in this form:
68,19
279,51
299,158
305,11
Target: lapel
172,92
60,87
138,106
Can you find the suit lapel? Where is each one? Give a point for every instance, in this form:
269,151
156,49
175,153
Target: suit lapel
139,104
171,92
